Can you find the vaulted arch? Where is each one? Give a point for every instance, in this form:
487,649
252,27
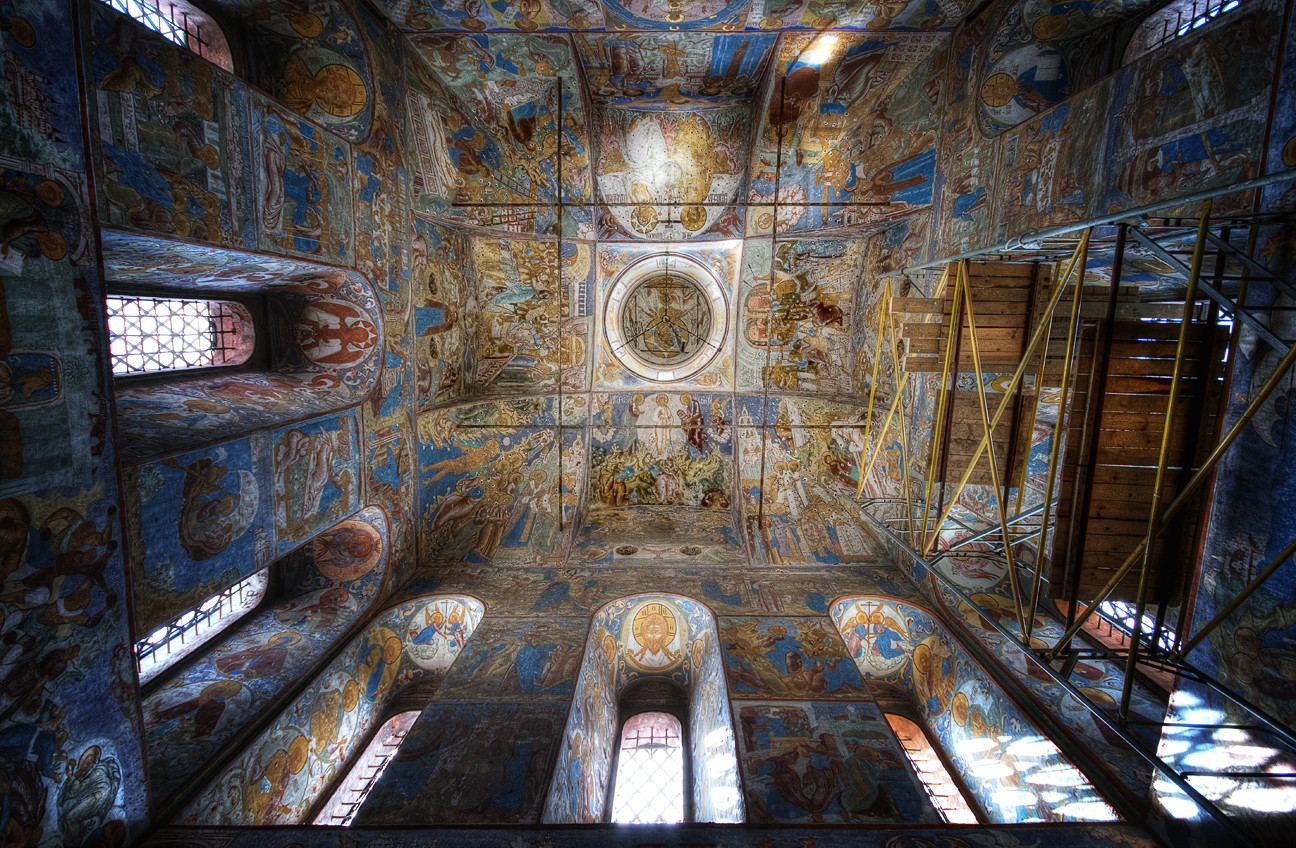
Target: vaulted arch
633,641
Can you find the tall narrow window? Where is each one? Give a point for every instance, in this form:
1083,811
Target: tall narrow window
148,334
944,793
168,644
351,792
181,23
649,786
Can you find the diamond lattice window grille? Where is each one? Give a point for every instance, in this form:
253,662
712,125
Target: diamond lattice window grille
149,334
649,785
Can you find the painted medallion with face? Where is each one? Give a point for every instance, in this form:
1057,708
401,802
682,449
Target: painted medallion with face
654,637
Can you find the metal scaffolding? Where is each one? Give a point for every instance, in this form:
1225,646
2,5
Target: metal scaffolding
1214,261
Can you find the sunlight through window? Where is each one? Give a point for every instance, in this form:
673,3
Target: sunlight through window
168,644
351,792
650,771
944,793
148,334
180,23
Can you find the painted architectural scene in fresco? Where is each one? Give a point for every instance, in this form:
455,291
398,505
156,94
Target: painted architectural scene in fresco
605,423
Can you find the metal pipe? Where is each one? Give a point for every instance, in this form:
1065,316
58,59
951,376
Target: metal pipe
1167,433
1228,305
984,409
940,434
877,358
1055,448
1190,488
1116,728
1237,601
1019,242
904,432
1038,334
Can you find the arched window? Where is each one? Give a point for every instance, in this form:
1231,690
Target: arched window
1174,20
181,23
150,334
342,806
650,734
650,769
945,794
170,643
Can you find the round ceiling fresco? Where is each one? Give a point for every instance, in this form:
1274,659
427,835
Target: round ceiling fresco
665,317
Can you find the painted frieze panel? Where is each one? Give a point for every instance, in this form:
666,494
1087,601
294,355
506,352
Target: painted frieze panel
826,762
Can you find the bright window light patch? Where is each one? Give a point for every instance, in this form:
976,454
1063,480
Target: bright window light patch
168,644
650,771
351,792
944,793
180,23
148,334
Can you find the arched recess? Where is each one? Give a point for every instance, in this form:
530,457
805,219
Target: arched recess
325,338
631,641
291,764
1040,52
1016,772
199,709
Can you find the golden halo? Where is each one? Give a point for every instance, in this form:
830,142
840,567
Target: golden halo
350,695
298,750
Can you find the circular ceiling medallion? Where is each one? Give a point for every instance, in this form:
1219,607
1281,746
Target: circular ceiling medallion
665,317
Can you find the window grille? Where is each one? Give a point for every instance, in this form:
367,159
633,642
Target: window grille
168,644
1173,21
351,792
148,334
1122,614
181,24
944,793
649,785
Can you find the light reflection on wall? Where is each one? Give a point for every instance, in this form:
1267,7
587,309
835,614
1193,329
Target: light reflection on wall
1245,770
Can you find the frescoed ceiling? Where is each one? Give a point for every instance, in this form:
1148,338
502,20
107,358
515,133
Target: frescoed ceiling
602,153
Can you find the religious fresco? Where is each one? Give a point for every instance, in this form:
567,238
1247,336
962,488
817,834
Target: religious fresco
665,835
199,523
652,536
303,181
45,399
488,493
669,70
172,136
649,157
578,590
530,332
316,476
824,761
441,326
513,660
630,15
799,310
663,453
975,722
634,640
1049,164
72,761
1197,116
786,657
810,145
315,63
717,262
194,713
511,85
293,761
469,763
798,462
